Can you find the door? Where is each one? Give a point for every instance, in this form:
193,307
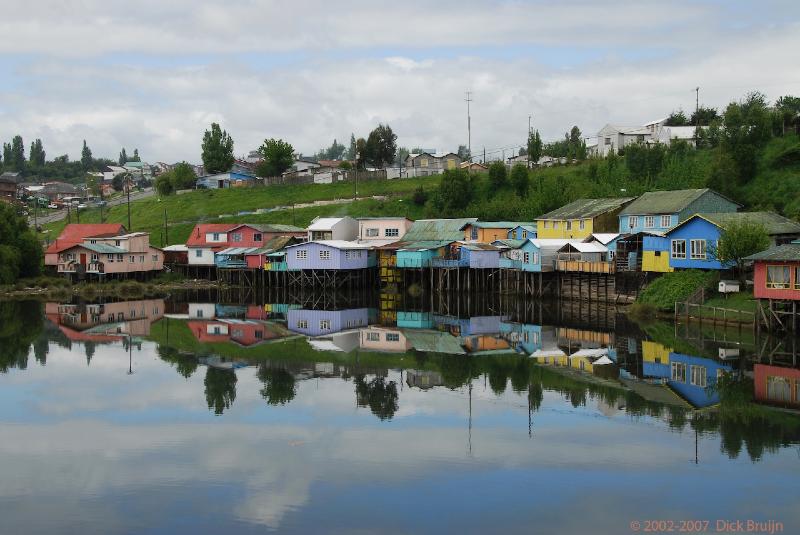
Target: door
83,259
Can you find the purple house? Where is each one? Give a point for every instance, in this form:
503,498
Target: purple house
329,254
322,322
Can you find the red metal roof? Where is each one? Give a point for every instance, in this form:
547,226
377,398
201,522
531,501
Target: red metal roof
75,233
198,235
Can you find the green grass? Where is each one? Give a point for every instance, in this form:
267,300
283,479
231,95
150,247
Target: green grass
207,205
663,292
739,301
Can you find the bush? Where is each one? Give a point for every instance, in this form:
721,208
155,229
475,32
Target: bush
420,197
643,312
670,288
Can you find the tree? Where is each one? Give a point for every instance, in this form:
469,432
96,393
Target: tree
498,175
334,152
280,386
86,157
7,153
20,250
360,157
93,185
118,182
220,389
381,397
15,160
381,146
136,156
703,116
37,155
739,240
123,157
454,193
534,146
350,154
278,157
519,180
402,155
464,153
748,127
217,150
645,162
164,183
183,176
787,109
345,165
677,118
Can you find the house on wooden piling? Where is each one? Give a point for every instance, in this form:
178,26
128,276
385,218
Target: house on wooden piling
659,211
384,339
468,255
271,253
489,231
776,385
427,239
693,243
176,254
257,235
776,273
642,251
205,240
689,376
419,254
581,218
518,254
523,232
324,322
123,256
584,257
332,228
329,255
76,233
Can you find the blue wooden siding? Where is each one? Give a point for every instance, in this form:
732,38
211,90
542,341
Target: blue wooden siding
321,322
414,320
696,229
522,232
524,337
534,260
339,258
416,259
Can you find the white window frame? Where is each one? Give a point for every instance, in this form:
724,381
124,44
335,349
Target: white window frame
568,225
236,237
666,221
325,254
697,250
301,254
633,221
678,371
302,324
698,375
582,224
649,221
678,255
373,337
372,232
771,282
392,337
391,232
324,325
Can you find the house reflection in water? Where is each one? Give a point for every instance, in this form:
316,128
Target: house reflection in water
324,322
384,339
776,385
105,322
423,379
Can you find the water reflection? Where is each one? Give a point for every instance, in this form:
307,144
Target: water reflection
328,394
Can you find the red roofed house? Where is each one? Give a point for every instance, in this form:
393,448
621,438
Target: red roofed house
75,233
205,240
122,255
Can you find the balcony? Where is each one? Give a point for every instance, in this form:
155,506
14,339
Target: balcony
584,266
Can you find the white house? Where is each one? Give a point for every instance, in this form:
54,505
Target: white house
667,134
611,138
426,164
333,228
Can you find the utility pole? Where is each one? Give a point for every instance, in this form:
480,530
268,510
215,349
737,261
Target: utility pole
528,143
696,115
166,229
484,155
128,190
469,123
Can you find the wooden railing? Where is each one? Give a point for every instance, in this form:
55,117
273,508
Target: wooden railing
585,266
689,311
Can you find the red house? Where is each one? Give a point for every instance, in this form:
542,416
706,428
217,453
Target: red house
75,233
206,239
253,235
777,273
777,386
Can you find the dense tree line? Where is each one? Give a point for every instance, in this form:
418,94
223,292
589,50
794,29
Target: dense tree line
35,164
20,251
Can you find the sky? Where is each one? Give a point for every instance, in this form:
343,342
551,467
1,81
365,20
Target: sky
153,75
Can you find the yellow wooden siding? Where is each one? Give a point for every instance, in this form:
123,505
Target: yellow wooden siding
655,352
651,262
548,232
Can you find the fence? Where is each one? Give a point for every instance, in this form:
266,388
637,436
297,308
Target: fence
689,311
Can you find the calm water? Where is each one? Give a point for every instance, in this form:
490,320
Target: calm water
156,416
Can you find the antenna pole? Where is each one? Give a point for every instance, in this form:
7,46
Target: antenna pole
469,123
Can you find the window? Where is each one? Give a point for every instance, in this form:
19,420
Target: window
259,335
698,249
119,258
325,255
216,329
131,259
391,232
524,234
423,162
555,225
110,257
778,277
666,221
93,241
633,221
141,259
257,237
568,225
392,337
639,137
155,258
474,233
237,333
118,243
215,236
535,258
678,248
526,257
649,221
582,224
608,141
120,316
679,372
372,232
546,224
373,337
697,375
301,254
237,236
325,325
797,278
302,324
451,163
94,257
200,313
198,253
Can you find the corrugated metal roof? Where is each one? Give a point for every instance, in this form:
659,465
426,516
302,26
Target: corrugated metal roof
586,208
235,251
437,229
271,227
790,251
500,224
593,247
325,223
425,245
336,244
102,248
604,238
512,244
434,341
479,246
663,202
773,223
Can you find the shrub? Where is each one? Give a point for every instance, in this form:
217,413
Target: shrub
666,290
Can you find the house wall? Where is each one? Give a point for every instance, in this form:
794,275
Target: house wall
482,259
486,235
202,310
339,259
320,322
515,258
246,236
206,257
520,233
346,229
416,259
402,226
142,261
639,223
655,254
760,290
377,339
557,229
696,229
698,396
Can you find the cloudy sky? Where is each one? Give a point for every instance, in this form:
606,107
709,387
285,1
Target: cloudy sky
153,74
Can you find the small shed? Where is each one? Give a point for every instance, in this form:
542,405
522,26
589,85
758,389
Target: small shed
176,254
329,254
728,286
419,254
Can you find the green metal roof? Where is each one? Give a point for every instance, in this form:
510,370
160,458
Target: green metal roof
102,248
424,245
664,202
501,224
437,229
586,208
274,227
773,223
513,244
434,341
790,251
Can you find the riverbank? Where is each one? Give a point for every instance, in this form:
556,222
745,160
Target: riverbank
58,288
